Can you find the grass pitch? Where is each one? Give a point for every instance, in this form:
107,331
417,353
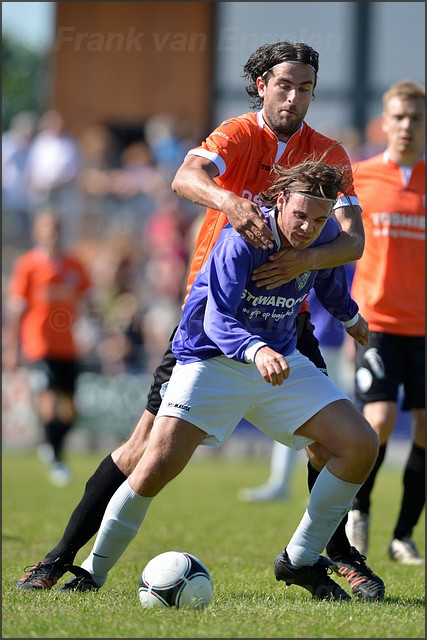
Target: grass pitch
199,513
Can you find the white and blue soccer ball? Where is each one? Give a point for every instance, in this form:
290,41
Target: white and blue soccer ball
175,579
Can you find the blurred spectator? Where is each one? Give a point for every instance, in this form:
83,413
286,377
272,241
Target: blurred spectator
167,242
47,290
16,144
121,347
53,167
138,173
124,222
119,188
167,147
170,138
137,185
119,292
116,267
99,155
164,236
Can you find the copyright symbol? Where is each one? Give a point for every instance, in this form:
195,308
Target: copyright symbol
60,320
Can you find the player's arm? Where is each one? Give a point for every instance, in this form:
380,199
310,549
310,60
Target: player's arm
359,331
350,243
286,264
195,182
229,270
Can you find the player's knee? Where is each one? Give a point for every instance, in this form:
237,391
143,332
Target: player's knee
127,456
150,480
365,446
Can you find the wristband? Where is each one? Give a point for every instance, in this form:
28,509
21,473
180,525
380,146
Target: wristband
350,323
251,350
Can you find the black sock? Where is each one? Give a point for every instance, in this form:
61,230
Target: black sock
413,499
55,431
87,516
312,476
362,500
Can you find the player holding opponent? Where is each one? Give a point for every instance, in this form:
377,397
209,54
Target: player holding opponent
235,337
226,174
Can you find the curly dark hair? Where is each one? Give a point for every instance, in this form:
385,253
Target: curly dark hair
311,177
268,55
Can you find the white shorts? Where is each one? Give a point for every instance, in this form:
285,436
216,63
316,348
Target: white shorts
215,394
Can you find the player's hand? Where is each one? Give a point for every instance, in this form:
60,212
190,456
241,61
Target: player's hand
272,366
360,331
281,267
249,221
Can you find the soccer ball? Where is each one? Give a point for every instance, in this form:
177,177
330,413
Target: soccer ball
175,579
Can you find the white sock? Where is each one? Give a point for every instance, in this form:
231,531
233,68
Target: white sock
330,499
281,466
122,518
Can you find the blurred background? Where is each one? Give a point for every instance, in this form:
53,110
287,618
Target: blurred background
125,89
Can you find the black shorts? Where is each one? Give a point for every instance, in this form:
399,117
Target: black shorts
307,344
58,375
388,362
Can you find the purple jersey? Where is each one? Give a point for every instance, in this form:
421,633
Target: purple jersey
226,312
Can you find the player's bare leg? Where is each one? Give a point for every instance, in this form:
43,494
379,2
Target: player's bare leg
170,447
129,453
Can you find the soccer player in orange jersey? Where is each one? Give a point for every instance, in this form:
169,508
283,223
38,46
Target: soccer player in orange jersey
225,174
389,286
47,288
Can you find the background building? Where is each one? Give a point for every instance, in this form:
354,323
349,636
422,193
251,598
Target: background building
122,62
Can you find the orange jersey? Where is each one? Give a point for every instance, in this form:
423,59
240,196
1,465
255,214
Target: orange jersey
51,289
389,280
244,150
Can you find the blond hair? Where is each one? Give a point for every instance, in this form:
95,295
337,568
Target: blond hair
405,90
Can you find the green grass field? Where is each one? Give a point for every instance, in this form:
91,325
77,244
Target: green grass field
198,513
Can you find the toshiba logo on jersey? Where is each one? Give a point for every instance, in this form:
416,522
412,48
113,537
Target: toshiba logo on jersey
387,219
398,225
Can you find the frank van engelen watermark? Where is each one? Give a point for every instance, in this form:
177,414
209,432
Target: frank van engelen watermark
228,40
133,40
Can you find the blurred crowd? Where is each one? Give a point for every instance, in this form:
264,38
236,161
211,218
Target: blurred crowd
118,215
